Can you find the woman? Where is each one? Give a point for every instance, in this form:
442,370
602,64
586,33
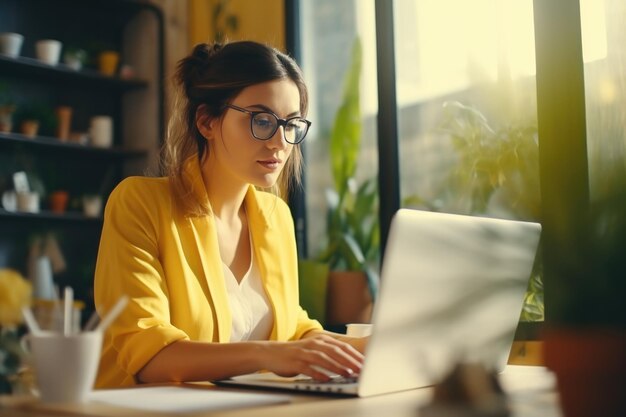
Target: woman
207,259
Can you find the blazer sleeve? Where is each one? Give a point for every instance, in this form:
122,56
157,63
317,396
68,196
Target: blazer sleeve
128,264
305,324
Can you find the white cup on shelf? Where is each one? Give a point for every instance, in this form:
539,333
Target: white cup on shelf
101,131
9,200
11,44
92,205
28,202
48,51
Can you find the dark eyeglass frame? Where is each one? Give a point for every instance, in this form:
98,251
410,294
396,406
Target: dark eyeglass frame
279,122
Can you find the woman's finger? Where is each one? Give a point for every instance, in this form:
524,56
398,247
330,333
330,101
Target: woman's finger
333,357
322,368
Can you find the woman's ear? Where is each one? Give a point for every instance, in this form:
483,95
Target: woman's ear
205,123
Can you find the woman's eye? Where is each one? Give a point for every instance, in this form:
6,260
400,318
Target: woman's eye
263,121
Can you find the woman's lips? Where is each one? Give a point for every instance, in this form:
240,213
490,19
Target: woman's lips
270,163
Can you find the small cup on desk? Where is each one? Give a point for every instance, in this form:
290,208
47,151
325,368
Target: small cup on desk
65,366
358,329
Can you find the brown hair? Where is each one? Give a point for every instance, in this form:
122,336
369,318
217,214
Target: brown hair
211,76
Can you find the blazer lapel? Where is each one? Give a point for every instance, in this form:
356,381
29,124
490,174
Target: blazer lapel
204,232
268,261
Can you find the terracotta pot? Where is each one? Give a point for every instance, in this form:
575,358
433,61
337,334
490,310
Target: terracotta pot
108,62
30,128
64,122
58,201
6,118
348,299
590,368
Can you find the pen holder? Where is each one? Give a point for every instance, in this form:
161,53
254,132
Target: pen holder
65,367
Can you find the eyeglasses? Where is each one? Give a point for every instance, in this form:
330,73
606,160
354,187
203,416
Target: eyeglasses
264,124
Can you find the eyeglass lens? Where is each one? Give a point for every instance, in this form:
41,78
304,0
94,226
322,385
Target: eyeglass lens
264,126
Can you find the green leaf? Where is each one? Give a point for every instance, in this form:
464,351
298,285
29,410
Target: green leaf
345,140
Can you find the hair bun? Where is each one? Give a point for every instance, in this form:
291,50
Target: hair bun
203,52
191,69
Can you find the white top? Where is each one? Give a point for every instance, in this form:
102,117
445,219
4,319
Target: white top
253,318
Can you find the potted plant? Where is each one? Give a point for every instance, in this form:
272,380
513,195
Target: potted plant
585,339
353,238
34,119
75,57
496,167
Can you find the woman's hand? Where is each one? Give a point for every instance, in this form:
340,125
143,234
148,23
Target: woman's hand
311,356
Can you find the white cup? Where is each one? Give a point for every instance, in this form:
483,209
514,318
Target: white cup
92,205
11,44
9,200
101,131
358,329
65,366
28,202
48,51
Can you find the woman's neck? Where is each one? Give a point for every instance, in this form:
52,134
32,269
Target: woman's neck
225,193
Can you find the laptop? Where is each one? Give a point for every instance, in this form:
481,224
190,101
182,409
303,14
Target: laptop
452,289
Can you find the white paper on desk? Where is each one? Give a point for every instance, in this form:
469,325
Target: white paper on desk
181,399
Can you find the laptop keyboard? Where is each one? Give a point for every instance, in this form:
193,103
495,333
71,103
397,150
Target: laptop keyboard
334,380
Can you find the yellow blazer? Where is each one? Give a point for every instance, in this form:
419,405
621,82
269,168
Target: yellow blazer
169,265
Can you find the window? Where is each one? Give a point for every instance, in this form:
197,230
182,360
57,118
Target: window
467,87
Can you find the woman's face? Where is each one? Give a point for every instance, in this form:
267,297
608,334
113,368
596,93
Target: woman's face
236,153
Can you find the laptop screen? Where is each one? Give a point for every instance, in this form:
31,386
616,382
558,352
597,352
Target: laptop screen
452,289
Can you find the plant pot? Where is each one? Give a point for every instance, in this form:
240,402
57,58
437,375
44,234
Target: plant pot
92,205
590,368
313,283
108,62
11,44
58,201
348,298
29,128
6,120
64,122
48,51
74,58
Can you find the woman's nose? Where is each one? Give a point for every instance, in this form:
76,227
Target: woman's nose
278,140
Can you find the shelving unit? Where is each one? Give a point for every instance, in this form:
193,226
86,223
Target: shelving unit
49,143
31,67
135,29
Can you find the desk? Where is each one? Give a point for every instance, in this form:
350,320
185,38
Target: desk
531,393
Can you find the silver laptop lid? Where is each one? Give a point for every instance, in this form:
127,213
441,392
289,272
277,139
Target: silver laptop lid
452,289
